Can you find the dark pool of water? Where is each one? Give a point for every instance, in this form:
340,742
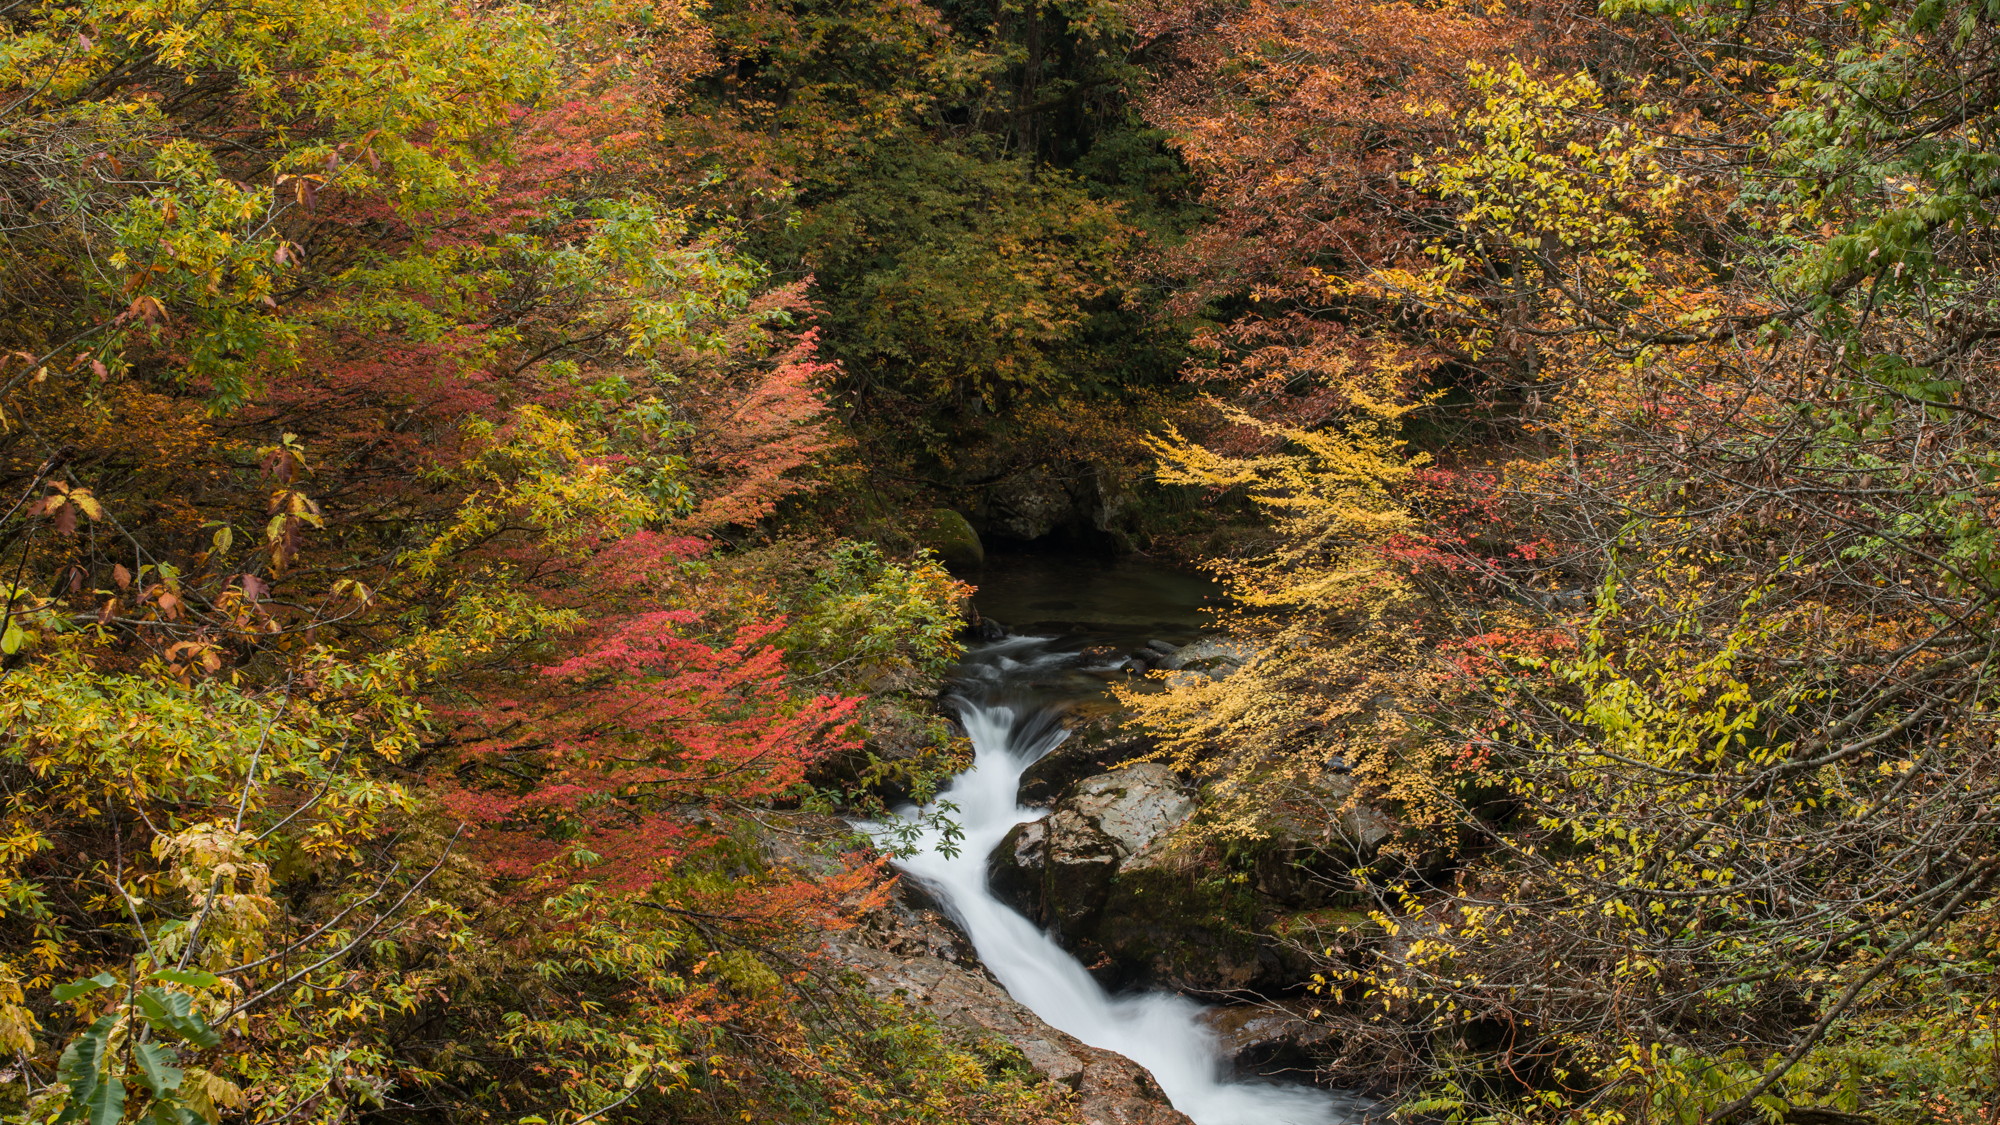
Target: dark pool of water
1090,600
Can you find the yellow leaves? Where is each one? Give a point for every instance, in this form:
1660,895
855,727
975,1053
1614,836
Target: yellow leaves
17,1024
1184,462
1562,208
208,1093
542,470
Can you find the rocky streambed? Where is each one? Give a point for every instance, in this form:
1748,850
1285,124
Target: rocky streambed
1067,924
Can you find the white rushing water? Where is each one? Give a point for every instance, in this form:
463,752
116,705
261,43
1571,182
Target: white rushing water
1160,1031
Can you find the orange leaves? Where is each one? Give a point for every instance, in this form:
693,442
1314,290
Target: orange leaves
1299,120
291,513
184,657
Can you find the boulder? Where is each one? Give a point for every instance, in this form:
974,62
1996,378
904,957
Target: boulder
1059,871
1318,833
950,535
1017,870
1269,1038
1098,875
1060,884
894,963
1185,927
1214,656
1083,503
1094,745
1133,809
1030,504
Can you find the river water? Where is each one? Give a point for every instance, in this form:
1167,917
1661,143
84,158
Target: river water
1009,696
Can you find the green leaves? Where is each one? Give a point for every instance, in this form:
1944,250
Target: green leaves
90,1066
173,1013
95,1097
67,992
192,978
156,1068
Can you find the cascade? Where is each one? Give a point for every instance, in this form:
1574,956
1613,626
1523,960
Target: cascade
1010,727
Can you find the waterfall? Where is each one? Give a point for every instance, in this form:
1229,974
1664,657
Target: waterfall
1160,1031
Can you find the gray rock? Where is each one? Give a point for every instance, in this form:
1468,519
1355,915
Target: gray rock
1215,657
1017,869
1317,834
1060,871
1323,813
1257,1036
1133,808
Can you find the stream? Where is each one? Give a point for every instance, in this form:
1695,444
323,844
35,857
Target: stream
1010,696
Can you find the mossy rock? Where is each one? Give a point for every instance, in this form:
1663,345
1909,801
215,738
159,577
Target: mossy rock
1185,930
947,533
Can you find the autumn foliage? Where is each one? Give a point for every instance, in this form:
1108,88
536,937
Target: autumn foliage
456,466
372,423
1621,423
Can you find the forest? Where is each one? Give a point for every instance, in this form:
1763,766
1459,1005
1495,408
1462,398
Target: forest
493,493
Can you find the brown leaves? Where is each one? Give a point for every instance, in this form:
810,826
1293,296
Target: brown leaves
147,308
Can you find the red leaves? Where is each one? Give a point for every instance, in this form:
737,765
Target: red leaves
756,434
628,746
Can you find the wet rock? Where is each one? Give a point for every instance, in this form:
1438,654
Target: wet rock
1018,866
1061,871
980,627
1184,927
1133,809
1093,746
1098,874
1163,648
1269,1038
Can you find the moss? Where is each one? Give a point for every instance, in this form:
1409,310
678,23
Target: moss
951,536
1355,920
1185,927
